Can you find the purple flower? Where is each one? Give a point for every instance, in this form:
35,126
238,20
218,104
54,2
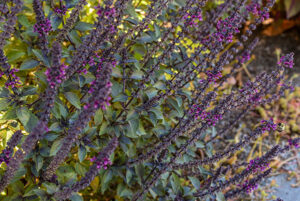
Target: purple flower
103,163
256,165
55,77
61,10
268,125
287,61
294,143
249,187
213,76
108,12
43,27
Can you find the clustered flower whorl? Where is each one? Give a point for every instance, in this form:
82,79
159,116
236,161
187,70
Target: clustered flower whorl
12,79
42,26
54,75
62,9
101,160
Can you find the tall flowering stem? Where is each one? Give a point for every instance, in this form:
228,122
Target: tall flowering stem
250,169
7,152
100,91
41,127
248,186
268,125
70,21
12,79
42,26
8,28
102,158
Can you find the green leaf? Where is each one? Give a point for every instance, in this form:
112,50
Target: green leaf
20,173
175,103
73,99
133,127
31,123
29,64
180,2
14,55
83,26
39,162
133,21
74,37
139,48
116,88
98,117
67,172
17,187
51,188
220,196
116,73
4,92
140,171
22,19
40,192
141,130
76,197
126,193
131,11
41,77
39,55
160,85
50,136
103,128
3,103
105,180
128,176
55,22
195,182
146,39
55,147
30,191
209,149
23,115
175,182
55,111
137,75
29,91
151,93
120,98
199,144
62,110
10,114
157,112
81,153
157,30
80,169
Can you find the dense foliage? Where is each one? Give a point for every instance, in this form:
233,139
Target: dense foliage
119,106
